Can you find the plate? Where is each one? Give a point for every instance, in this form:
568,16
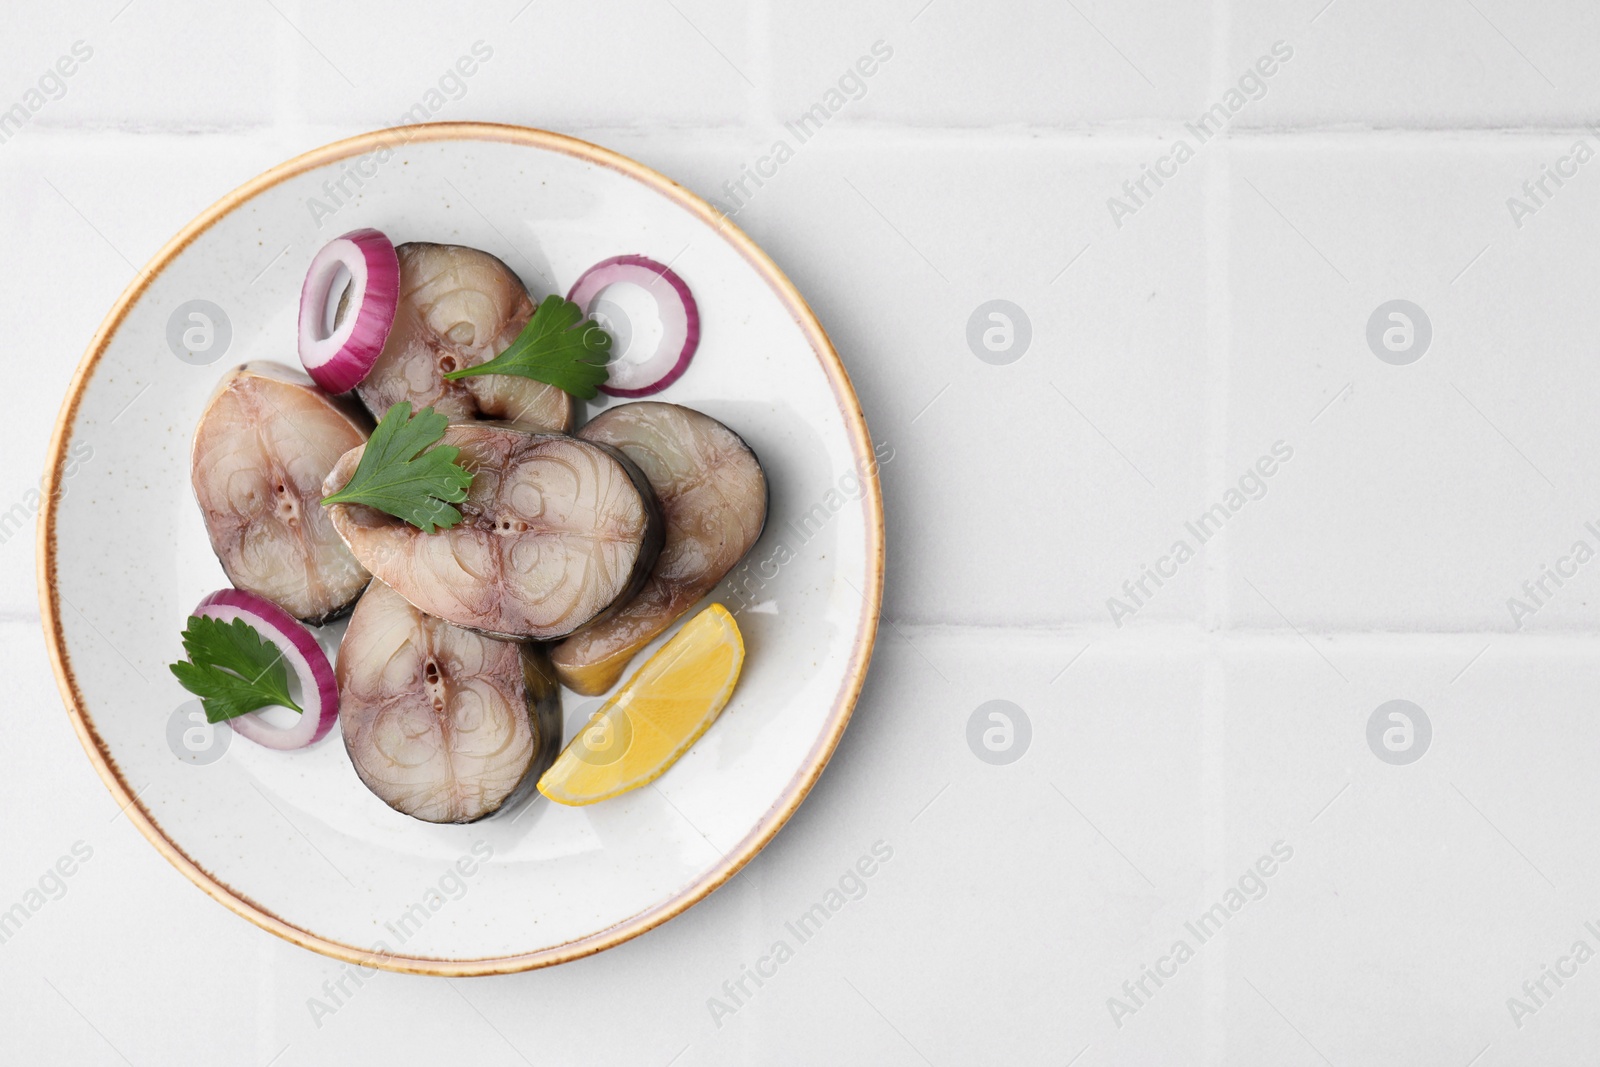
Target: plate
293,841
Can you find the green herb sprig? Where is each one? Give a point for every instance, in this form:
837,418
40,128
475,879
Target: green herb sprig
232,669
399,473
558,346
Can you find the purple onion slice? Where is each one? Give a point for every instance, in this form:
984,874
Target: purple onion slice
635,376
347,308
319,693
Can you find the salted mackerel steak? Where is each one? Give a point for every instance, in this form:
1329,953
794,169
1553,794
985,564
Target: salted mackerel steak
264,445
555,531
713,496
443,724
460,307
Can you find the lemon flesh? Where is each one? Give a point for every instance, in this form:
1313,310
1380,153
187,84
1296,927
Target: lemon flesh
654,718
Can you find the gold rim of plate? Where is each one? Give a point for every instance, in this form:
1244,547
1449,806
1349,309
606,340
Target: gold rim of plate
799,785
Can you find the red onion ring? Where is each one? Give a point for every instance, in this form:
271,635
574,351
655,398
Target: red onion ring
680,322
338,357
319,692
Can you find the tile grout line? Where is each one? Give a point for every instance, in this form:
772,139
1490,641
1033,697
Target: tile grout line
1213,788
287,86
1109,137
1213,729
1115,133
1217,218
1192,634
1218,333
759,26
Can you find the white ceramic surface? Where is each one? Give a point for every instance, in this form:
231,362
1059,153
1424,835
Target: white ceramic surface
294,841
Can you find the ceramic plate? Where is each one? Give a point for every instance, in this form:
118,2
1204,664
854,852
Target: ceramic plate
293,841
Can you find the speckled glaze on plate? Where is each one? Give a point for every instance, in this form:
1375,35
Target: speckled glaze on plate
293,841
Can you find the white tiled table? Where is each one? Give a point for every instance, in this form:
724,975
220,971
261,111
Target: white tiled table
1172,346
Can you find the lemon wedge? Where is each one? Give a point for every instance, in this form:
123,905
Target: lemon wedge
654,718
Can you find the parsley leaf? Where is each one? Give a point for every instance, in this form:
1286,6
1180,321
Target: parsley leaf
558,346
232,669
399,474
